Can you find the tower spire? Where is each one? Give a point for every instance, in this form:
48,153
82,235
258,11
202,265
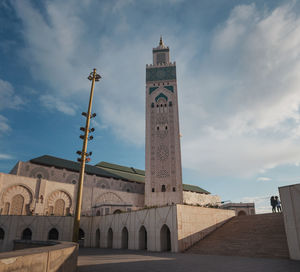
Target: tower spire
161,43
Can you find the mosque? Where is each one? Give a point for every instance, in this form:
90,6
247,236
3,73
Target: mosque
122,207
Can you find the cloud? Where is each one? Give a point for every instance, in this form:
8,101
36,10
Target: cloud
54,103
8,98
243,117
5,157
263,179
239,105
4,126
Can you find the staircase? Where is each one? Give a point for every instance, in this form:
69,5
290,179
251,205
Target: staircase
261,235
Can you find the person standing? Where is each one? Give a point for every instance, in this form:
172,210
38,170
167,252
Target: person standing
273,204
278,204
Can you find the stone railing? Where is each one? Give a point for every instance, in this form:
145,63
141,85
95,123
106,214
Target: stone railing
40,256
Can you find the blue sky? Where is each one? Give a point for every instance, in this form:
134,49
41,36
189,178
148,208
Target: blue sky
238,72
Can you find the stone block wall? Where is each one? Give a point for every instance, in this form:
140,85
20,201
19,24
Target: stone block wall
194,223
290,199
59,257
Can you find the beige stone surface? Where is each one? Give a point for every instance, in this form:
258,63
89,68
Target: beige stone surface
60,257
290,198
192,198
194,223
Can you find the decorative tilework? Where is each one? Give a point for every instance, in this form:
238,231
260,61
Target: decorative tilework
152,89
161,73
170,88
161,95
161,50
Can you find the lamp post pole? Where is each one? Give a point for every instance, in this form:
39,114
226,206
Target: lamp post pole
93,77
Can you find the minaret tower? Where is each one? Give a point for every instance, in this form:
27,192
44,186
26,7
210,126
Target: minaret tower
163,183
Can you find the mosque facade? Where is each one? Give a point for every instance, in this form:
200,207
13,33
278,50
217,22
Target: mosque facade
116,198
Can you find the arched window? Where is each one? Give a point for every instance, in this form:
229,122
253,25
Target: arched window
97,238
2,234
117,211
81,238
110,238
17,204
53,234
27,234
163,188
59,207
125,238
242,213
165,238
142,238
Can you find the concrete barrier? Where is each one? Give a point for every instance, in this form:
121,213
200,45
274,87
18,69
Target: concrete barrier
50,256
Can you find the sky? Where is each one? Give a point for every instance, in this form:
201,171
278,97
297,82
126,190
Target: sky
238,75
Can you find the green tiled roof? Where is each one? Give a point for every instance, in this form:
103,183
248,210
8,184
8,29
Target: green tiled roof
126,173
105,169
194,188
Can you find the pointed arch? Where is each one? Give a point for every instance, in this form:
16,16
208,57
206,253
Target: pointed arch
165,238
2,234
142,238
17,200
161,95
27,234
53,234
110,238
124,238
58,203
98,237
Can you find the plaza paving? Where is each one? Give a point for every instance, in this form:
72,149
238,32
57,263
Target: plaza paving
113,260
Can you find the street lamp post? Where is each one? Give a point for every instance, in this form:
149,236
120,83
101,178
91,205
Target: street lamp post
93,77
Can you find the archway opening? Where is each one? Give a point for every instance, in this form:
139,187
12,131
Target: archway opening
97,238
17,205
117,211
59,207
142,238
125,238
242,213
2,234
110,238
26,234
165,238
81,238
53,234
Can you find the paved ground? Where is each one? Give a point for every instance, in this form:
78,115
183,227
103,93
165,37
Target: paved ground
113,260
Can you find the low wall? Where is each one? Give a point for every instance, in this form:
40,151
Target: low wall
290,198
194,223
59,257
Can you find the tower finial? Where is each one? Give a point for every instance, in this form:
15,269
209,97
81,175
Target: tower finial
161,43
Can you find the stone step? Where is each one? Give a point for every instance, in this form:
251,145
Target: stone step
260,235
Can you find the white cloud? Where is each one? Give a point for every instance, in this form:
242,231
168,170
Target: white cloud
239,108
263,179
8,98
243,117
54,103
4,126
5,157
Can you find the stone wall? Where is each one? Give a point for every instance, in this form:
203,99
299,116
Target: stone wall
172,228
39,197
59,257
290,198
192,198
194,223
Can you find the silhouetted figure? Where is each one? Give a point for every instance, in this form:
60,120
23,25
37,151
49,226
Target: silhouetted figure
273,204
278,204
